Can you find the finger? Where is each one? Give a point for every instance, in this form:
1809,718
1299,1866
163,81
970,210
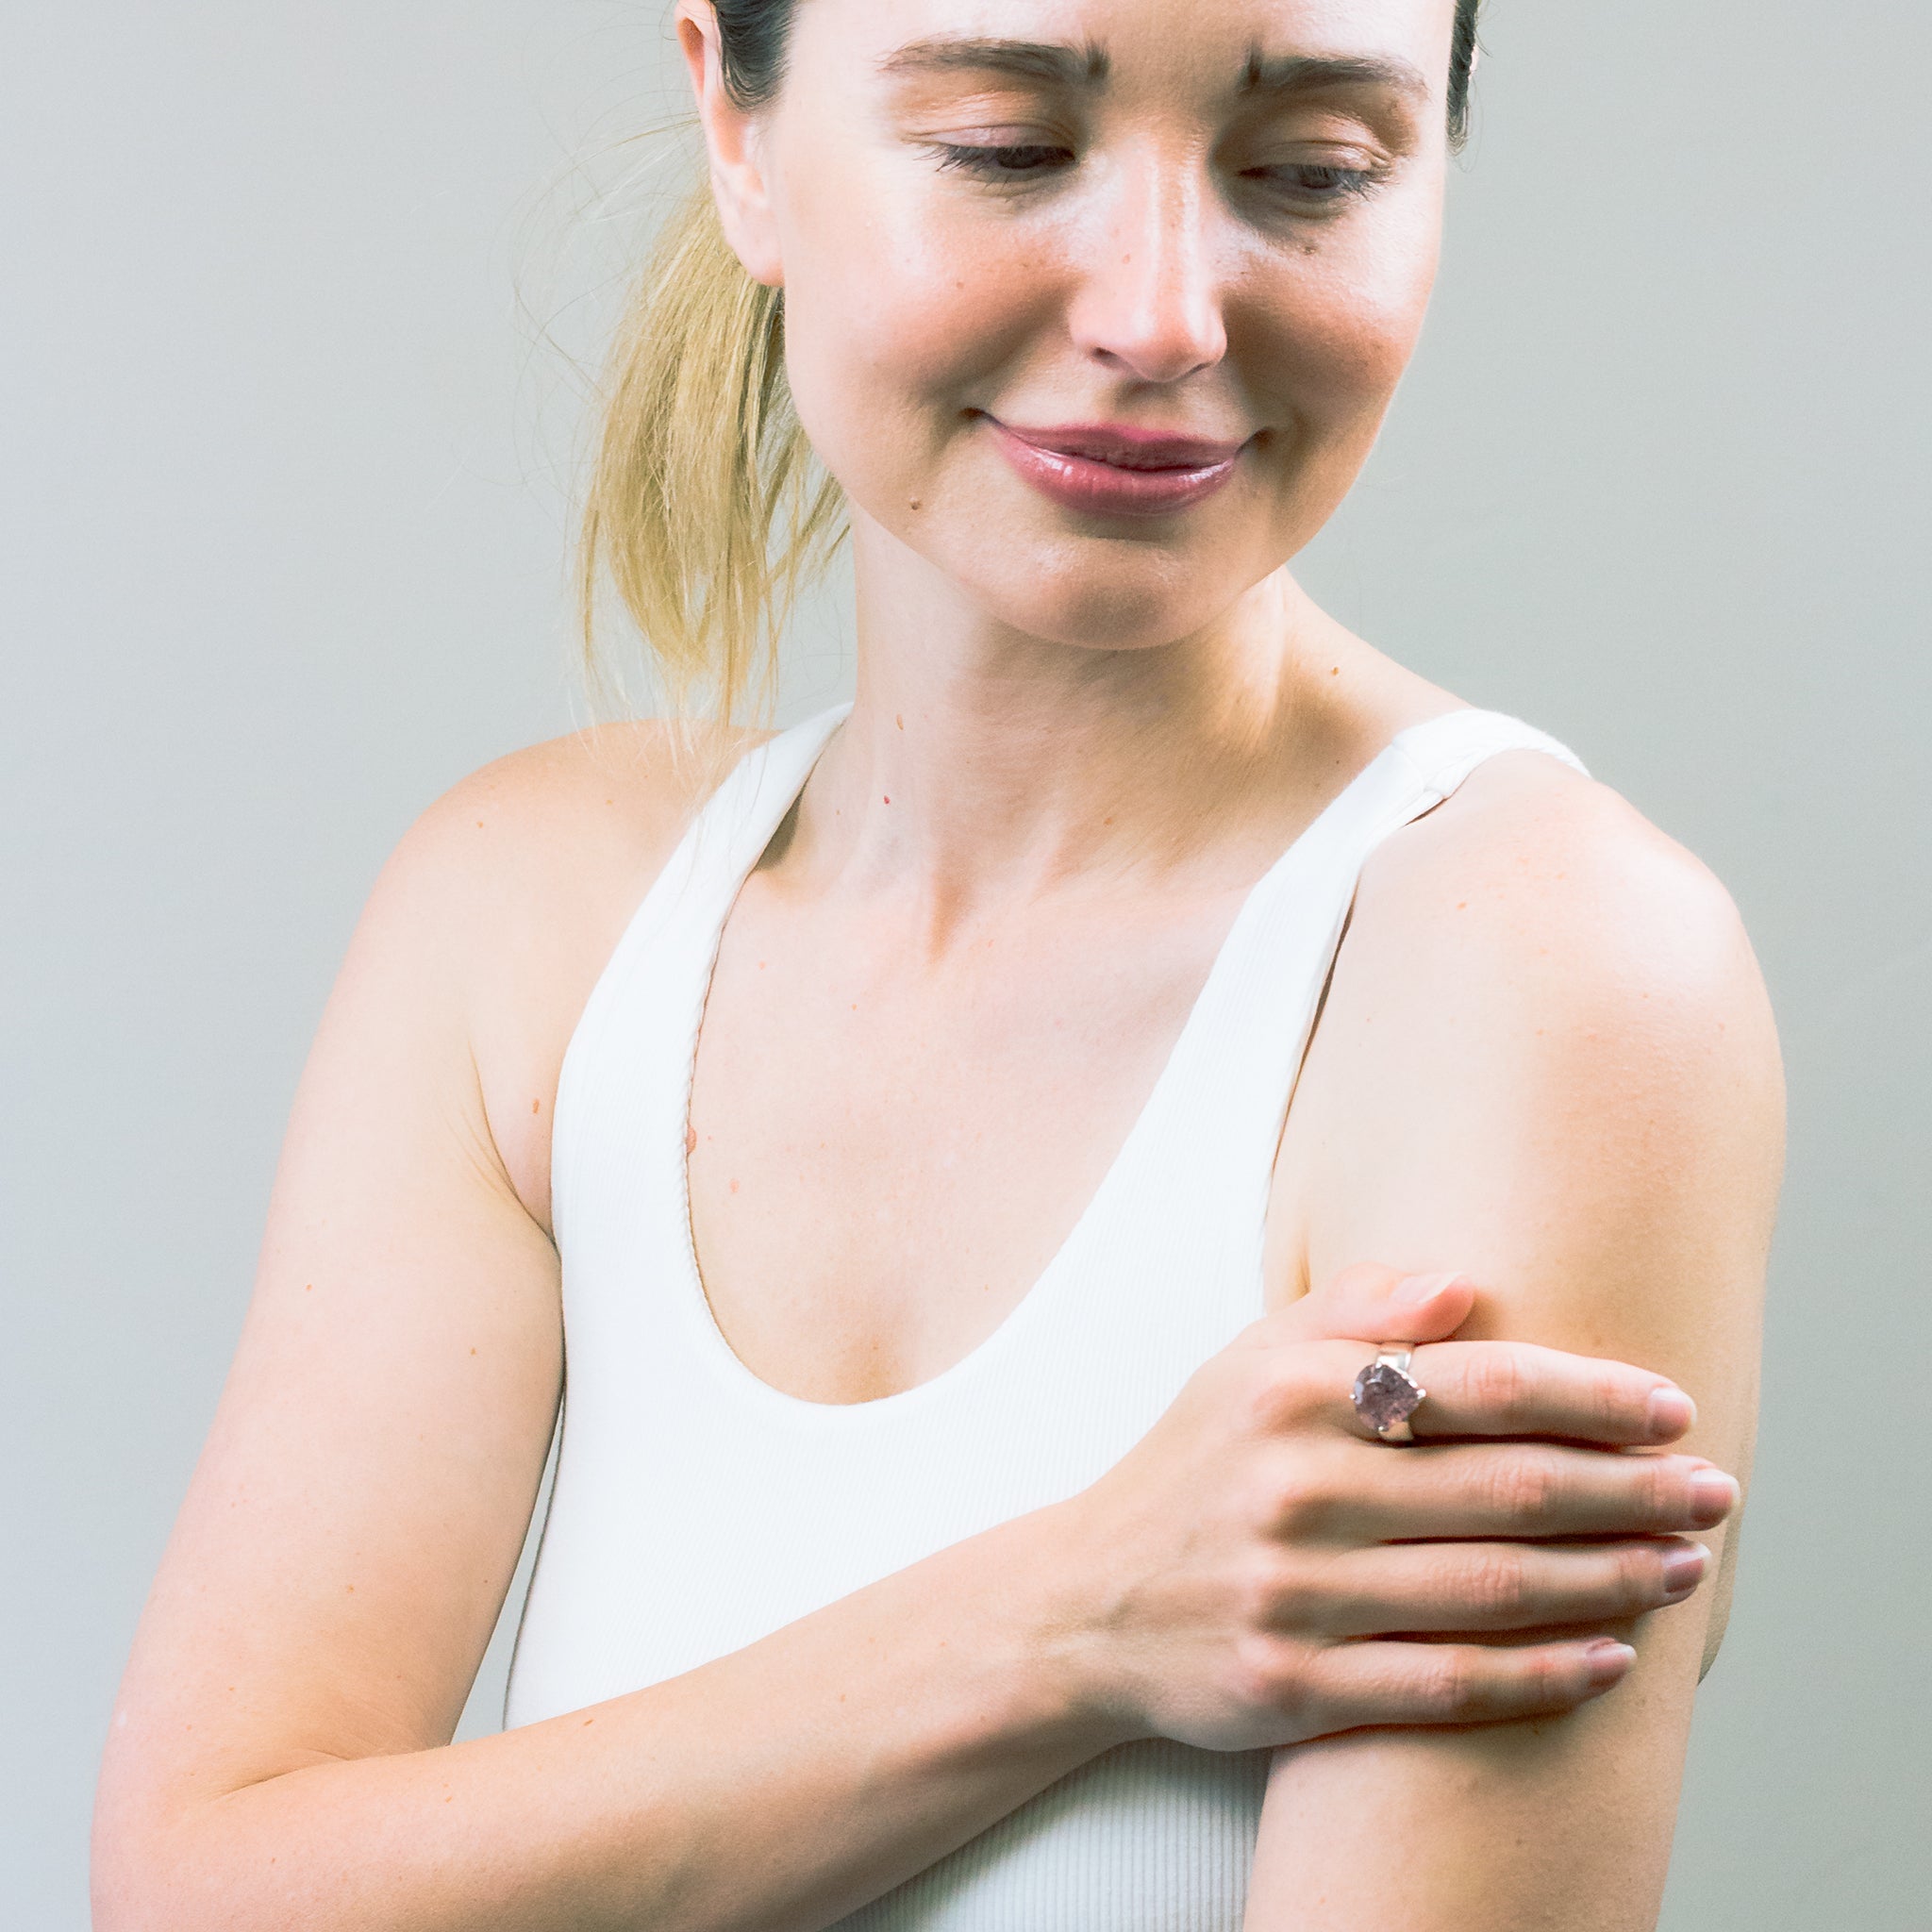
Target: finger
1523,1388
1379,1682
1492,1586
1538,1489
1377,1304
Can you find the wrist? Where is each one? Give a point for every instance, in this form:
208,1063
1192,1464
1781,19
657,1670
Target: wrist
1047,1600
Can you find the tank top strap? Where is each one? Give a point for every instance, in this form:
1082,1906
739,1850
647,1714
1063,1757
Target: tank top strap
1444,751
1236,1065
624,1072
734,825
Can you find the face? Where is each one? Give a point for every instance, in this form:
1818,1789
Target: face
1097,315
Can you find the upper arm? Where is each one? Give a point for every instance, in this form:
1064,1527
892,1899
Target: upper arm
356,1514
1578,1105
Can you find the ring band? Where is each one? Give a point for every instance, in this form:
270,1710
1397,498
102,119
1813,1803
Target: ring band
1386,1394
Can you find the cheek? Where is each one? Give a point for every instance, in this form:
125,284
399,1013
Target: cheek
899,315
1332,322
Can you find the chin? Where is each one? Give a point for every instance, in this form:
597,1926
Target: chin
1105,596
1096,605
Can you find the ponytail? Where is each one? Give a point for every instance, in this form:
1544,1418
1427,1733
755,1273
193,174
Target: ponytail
706,510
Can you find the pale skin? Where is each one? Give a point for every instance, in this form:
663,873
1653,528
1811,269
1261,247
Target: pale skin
932,1020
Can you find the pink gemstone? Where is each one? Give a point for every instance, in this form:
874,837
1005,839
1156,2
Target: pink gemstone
1383,1395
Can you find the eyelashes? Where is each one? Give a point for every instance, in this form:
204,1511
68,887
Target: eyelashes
1312,186
1018,163
1327,183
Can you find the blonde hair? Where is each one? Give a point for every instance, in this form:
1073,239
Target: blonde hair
706,510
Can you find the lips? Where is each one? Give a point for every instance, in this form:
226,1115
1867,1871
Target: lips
1116,470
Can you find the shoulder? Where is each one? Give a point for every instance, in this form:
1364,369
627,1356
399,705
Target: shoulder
1538,923
1534,880
539,848
507,895
611,796
1542,993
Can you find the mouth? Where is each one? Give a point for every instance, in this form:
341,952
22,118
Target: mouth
1114,469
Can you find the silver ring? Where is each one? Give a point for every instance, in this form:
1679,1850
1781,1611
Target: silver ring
1386,1394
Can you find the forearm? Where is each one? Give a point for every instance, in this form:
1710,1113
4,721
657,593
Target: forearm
782,1786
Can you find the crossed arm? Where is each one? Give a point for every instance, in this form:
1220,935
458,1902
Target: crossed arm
1580,1105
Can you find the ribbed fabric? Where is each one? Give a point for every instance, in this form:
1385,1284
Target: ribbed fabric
696,1509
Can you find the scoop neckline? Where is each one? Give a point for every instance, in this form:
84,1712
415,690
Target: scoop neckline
730,1368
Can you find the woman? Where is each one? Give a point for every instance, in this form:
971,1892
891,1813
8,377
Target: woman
969,1507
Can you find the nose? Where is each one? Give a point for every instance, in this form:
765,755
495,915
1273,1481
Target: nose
1149,300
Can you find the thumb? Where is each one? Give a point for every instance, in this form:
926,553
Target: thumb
1369,1302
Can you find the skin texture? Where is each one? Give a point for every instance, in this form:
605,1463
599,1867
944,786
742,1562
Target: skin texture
942,999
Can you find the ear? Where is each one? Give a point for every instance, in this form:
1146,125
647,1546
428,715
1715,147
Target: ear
733,140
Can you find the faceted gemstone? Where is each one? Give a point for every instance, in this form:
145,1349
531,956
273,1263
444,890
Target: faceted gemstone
1383,1395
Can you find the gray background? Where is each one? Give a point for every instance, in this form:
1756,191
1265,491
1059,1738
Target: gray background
280,558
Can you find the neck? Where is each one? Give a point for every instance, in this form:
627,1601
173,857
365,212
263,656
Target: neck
981,767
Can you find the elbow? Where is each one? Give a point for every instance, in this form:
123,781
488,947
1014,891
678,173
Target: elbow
129,1881
155,1871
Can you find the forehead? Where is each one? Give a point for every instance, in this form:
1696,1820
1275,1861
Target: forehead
1099,41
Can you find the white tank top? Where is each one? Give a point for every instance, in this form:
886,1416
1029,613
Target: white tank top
695,1509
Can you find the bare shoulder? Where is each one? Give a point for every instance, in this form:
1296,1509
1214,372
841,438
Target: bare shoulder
1538,982
520,880
611,796
1557,883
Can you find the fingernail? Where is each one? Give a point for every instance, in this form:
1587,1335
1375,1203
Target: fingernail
1713,1495
1684,1568
1609,1659
1671,1413
1419,1287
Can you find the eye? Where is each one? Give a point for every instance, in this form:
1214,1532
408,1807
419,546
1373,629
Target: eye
1317,184
1021,161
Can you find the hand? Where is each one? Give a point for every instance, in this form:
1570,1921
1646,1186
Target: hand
1261,1570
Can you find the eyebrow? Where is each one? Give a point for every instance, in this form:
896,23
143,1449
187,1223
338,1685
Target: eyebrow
1314,73
1089,66
1059,64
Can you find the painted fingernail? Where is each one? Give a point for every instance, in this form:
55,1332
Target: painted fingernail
1671,1413
1609,1659
1684,1568
1419,1287
1713,1495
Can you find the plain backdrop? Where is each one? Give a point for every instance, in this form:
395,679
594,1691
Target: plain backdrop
286,429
